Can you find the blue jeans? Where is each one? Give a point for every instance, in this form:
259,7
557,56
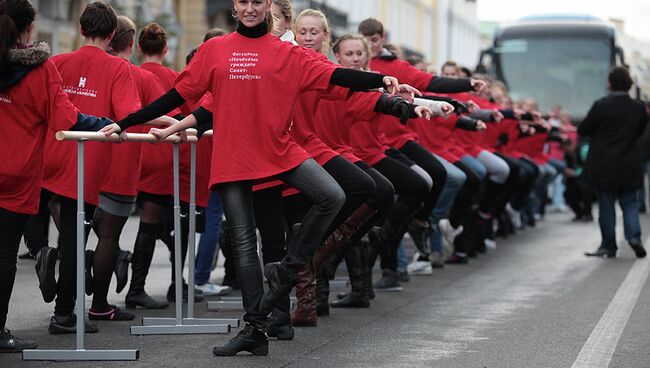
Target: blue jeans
475,165
402,259
646,172
455,180
209,243
629,202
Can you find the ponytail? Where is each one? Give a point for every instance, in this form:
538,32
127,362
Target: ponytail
124,35
15,17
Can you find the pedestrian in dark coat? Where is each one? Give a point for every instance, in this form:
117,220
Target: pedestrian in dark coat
613,168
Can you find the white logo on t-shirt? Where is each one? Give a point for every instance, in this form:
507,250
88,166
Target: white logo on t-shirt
82,82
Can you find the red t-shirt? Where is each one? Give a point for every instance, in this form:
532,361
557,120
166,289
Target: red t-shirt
336,124
255,83
510,127
203,156
98,84
157,170
436,136
26,111
123,178
403,71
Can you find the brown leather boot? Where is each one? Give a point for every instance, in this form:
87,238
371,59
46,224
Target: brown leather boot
305,313
341,236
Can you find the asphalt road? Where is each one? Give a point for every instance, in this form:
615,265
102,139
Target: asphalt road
533,302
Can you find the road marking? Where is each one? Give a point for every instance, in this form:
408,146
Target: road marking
599,348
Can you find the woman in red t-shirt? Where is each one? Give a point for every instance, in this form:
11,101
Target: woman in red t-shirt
31,101
251,141
411,188
119,191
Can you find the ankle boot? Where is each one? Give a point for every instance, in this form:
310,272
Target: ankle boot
121,269
280,279
305,313
140,263
249,339
322,296
356,262
280,325
341,236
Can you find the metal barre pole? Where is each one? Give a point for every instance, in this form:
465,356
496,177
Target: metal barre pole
178,266
180,325
191,237
80,354
130,137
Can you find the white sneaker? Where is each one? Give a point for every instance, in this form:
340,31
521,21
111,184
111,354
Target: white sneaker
515,216
210,289
490,244
419,268
449,234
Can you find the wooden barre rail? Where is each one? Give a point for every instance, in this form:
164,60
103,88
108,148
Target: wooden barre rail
130,137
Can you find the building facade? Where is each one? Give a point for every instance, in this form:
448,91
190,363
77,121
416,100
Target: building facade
185,21
438,30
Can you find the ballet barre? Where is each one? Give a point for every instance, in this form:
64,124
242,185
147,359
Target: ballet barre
190,322
81,353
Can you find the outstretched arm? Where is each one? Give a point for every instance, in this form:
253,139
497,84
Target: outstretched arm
166,103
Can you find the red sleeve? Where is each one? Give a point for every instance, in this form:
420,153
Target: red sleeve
124,97
193,81
405,72
361,104
61,113
315,74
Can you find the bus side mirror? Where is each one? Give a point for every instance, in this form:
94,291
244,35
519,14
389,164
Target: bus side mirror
484,60
621,56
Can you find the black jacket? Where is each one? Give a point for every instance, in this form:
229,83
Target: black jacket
614,125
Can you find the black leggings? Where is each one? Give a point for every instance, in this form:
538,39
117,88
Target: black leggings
467,197
37,227
327,198
510,185
358,186
272,220
429,163
11,230
412,190
527,177
66,291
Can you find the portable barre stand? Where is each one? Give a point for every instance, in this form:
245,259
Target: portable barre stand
189,324
80,353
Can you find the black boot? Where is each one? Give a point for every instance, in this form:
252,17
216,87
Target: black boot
89,260
171,294
280,325
249,339
11,344
372,258
140,263
322,296
45,270
121,269
356,261
281,279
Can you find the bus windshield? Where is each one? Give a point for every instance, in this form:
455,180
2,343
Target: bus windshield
570,72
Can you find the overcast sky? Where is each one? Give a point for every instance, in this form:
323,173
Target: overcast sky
635,13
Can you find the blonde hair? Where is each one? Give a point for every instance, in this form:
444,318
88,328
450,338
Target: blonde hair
336,48
269,17
286,8
325,24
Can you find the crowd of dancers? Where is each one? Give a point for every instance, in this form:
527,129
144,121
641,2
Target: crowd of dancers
327,161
